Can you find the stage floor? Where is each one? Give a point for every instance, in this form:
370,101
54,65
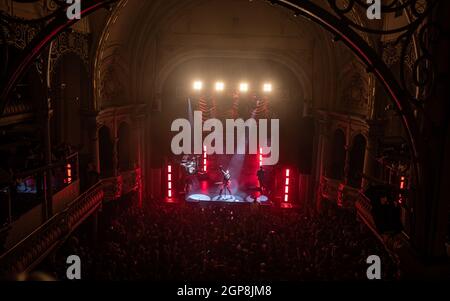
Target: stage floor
235,198
207,192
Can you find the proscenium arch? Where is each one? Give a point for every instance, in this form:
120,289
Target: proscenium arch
150,19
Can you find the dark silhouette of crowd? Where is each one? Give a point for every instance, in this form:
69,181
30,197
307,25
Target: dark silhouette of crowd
223,242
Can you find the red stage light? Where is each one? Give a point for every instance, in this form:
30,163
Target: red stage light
260,157
402,182
402,186
169,181
68,179
286,186
205,163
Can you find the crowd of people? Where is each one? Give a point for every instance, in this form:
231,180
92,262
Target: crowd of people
223,242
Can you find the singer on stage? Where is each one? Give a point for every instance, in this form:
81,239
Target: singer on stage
226,182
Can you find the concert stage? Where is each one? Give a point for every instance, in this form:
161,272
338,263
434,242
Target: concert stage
204,185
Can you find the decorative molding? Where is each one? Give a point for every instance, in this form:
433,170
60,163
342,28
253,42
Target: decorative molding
76,43
392,52
20,35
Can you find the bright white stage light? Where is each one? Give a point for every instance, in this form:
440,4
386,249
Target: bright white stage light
220,86
267,88
243,87
198,85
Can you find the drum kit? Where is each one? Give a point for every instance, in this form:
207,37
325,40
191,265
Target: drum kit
190,165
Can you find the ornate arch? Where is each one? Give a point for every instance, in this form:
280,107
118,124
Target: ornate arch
164,14
50,27
68,43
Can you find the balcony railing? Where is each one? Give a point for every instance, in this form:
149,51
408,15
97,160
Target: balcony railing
26,254
364,211
329,188
347,196
334,190
28,188
126,182
29,251
112,188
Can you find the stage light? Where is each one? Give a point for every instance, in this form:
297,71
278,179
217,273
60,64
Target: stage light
198,85
169,181
286,186
243,87
402,187
220,86
205,162
260,157
267,88
68,180
402,183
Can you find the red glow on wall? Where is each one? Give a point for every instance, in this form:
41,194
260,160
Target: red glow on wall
286,185
205,159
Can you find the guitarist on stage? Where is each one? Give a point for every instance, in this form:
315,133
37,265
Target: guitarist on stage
226,182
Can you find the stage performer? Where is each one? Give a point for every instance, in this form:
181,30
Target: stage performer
226,182
260,174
